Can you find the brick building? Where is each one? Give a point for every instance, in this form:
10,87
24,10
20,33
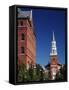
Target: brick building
26,38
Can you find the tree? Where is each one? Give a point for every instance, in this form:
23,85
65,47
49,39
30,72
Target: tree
59,75
47,75
22,72
39,72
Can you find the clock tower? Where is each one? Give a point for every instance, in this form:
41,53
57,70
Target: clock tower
53,59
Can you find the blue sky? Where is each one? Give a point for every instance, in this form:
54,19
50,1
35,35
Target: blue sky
45,23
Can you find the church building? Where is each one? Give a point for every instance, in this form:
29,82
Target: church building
53,59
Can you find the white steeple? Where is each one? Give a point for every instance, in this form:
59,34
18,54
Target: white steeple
53,37
53,46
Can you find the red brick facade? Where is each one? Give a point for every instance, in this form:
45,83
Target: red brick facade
26,42
53,66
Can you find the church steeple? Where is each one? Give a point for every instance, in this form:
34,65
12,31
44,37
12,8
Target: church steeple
53,46
53,37
53,59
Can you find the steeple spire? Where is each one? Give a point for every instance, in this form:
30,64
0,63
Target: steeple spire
53,46
53,37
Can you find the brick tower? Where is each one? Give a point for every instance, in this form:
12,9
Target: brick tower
26,38
53,60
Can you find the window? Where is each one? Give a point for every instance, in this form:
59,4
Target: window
21,23
22,37
53,51
22,49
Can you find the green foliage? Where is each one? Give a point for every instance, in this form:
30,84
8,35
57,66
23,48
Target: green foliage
59,75
46,76
31,74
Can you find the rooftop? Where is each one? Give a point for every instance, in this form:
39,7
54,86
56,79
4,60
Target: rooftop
24,14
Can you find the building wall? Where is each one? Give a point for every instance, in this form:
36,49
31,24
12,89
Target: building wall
31,46
53,67
29,43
